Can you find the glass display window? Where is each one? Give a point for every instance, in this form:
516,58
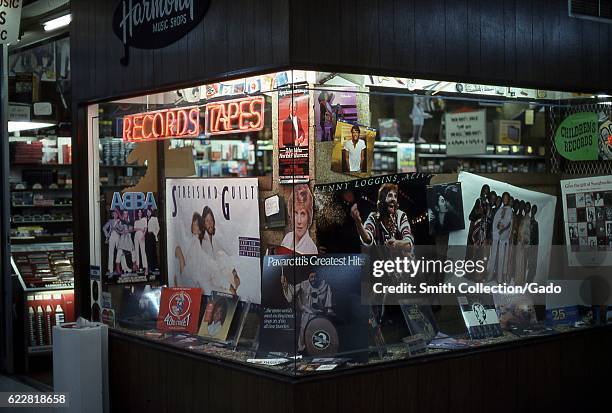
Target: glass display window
306,222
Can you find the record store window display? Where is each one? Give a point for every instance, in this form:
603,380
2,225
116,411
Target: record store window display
269,269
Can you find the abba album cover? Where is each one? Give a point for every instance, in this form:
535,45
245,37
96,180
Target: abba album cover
130,237
213,235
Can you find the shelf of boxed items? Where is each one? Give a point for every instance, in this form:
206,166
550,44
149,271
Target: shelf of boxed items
46,276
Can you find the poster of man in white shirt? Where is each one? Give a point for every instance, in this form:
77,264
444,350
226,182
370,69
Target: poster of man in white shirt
353,149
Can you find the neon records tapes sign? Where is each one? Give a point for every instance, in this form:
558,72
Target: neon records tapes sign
153,24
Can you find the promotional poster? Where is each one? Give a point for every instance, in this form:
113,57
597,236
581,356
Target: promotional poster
293,142
213,235
179,310
218,316
334,105
510,227
587,212
300,206
312,304
373,211
353,152
445,208
130,234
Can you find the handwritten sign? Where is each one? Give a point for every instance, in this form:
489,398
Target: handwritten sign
466,133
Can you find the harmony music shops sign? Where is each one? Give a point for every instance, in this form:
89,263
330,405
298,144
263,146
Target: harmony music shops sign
153,24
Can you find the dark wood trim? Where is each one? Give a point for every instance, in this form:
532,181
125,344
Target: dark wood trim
535,374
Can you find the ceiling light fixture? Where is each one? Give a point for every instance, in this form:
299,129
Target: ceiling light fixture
14,126
57,23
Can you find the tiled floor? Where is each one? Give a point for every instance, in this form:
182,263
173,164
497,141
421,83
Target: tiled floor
9,384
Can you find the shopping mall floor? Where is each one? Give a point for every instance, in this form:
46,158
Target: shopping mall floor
14,384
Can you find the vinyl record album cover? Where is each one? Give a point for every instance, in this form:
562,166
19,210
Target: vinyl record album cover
338,103
514,310
213,235
510,227
179,309
353,152
445,208
420,320
480,316
218,316
311,304
130,246
372,211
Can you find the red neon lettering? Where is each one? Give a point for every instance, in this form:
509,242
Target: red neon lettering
194,121
233,109
181,123
158,119
127,128
257,113
161,124
147,127
235,116
245,114
137,127
170,124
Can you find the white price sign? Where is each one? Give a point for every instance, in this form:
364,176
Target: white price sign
466,133
10,17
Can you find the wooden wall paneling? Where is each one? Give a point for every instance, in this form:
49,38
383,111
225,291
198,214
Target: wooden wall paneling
386,25
403,34
434,388
510,45
429,36
574,378
234,34
457,37
548,18
524,53
367,32
279,47
495,368
181,386
153,375
570,47
466,384
538,7
349,22
118,377
401,390
220,388
492,40
473,39
587,59
200,393
331,393
603,59
216,36
544,383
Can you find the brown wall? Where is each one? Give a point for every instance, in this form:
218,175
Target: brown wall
557,373
508,42
234,35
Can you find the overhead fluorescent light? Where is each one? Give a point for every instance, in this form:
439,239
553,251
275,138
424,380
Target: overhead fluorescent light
14,126
57,23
